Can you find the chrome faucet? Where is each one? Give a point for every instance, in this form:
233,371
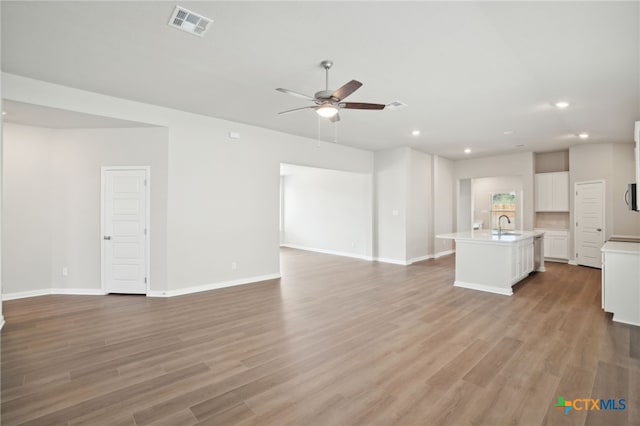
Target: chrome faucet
500,226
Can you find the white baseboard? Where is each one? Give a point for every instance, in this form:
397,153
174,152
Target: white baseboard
420,258
572,262
615,319
213,286
323,251
393,261
496,290
553,259
79,291
443,253
25,294
48,291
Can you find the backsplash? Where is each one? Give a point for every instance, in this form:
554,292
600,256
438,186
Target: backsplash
552,220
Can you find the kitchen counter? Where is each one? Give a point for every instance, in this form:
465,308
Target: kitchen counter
492,263
621,281
488,236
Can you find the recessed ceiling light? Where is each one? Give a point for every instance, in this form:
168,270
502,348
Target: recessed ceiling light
507,132
416,133
562,104
4,112
467,151
583,135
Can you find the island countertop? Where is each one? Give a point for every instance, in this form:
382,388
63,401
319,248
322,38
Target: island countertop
488,236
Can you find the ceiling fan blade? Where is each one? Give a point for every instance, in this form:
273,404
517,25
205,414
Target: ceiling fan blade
295,109
335,118
296,94
360,105
346,90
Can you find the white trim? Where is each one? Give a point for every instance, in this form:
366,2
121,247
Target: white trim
147,261
572,262
392,261
496,290
79,291
49,291
213,286
1,322
25,294
556,260
332,252
624,321
420,259
443,253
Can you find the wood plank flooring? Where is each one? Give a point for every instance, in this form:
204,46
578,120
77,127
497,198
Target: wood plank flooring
336,341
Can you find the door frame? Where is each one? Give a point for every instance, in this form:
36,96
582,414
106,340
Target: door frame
147,188
575,210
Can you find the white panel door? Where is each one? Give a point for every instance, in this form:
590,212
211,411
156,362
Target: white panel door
589,218
125,231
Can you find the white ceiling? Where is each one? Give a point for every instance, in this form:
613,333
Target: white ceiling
53,118
469,71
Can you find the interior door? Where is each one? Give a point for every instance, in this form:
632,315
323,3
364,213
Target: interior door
124,230
589,218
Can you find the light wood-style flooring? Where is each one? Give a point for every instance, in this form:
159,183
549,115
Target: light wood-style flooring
336,341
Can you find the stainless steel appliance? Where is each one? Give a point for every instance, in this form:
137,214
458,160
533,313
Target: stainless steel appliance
537,252
631,197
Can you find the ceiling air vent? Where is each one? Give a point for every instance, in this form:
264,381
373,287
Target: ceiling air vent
396,105
190,22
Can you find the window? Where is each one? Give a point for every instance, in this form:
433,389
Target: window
503,203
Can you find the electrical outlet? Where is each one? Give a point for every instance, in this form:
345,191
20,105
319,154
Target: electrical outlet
65,271
234,265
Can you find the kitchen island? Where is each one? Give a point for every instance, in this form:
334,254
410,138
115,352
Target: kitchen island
490,262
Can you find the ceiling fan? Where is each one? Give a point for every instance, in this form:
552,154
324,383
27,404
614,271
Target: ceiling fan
328,102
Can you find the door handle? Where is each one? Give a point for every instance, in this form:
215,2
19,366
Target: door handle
598,229
106,237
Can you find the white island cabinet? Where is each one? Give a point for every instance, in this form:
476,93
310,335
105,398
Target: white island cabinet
488,262
621,281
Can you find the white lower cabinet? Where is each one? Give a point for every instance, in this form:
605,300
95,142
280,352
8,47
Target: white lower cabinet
522,260
621,281
556,244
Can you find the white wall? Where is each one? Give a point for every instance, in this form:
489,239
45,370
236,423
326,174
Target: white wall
481,190
223,194
1,171
464,205
521,164
328,210
625,222
403,214
391,177
52,202
419,207
443,203
27,208
614,164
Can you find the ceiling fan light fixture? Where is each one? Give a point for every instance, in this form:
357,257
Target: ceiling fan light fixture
327,111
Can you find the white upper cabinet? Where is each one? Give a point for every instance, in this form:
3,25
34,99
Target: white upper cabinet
552,192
